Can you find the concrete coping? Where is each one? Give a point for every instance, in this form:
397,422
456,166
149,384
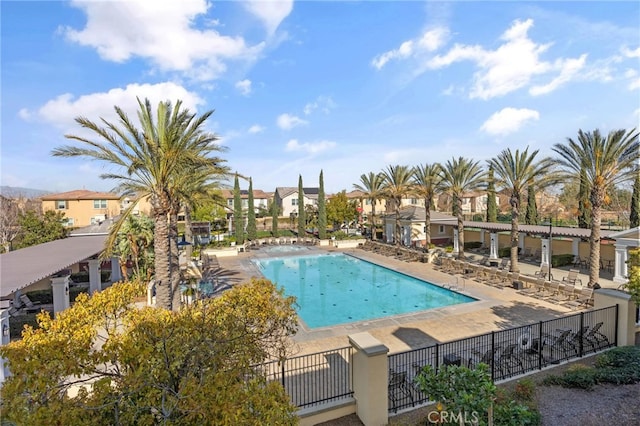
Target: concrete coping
612,292
367,344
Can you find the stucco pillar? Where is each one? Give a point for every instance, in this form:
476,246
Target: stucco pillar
482,238
620,272
456,246
4,330
493,250
575,247
95,281
605,297
370,379
545,257
115,270
151,297
60,289
521,237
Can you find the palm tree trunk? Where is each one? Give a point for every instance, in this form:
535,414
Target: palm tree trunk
427,223
397,233
373,220
188,234
460,228
161,262
515,212
174,260
597,197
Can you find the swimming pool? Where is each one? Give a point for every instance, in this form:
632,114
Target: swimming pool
334,289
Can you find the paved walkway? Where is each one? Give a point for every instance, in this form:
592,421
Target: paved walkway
495,309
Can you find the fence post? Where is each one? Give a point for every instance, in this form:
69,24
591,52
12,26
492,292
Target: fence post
370,368
580,341
437,362
283,371
540,344
493,356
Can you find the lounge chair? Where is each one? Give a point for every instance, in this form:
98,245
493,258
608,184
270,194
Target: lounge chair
584,299
572,278
534,287
27,302
564,294
595,337
487,357
561,342
399,388
526,254
509,359
542,273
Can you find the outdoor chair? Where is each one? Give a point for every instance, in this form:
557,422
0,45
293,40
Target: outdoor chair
526,254
542,273
572,278
584,299
399,389
478,357
564,294
534,287
509,359
595,337
504,264
560,343
27,302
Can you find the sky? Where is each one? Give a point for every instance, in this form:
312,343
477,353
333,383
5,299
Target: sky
346,87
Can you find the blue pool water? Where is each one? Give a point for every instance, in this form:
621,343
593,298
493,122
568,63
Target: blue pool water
336,289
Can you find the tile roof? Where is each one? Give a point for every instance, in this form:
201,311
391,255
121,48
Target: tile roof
81,194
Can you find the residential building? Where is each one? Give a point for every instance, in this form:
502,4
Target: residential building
286,198
82,207
260,200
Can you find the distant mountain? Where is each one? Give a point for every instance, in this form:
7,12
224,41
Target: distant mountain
14,191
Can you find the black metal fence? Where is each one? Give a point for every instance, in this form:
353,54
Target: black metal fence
508,353
316,378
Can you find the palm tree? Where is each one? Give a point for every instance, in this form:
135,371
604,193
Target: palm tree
397,185
514,172
147,162
134,241
427,178
372,186
601,163
458,177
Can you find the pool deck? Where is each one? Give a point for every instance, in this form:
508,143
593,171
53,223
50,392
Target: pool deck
495,309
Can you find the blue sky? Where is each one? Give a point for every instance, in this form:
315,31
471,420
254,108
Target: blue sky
346,87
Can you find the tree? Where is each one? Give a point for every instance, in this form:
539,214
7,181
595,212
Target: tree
274,219
634,213
238,220
514,171
372,185
633,284
322,210
602,162
458,177
302,220
252,231
397,185
340,209
584,206
427,178
492,207
151,162
10,209
36,229
153,366
135,242
531,216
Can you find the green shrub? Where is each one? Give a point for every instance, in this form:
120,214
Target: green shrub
512,413
472,245
625,356
505,252
558,260
43,297
525,390
75,291
577,376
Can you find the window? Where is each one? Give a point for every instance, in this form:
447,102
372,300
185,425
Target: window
230,202
61,205
367,202
414,201
99,204
68,221
294,201
441,229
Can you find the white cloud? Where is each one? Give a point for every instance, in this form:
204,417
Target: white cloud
271,13
569,68
244,86
288,121
508,120
309,147
512,65
25,114
163,32
62,110
634,79
256,128
430,41
631,53
323,103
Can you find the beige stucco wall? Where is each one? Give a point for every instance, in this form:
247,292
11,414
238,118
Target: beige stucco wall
81,211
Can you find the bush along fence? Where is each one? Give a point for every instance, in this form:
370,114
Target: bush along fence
508,353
